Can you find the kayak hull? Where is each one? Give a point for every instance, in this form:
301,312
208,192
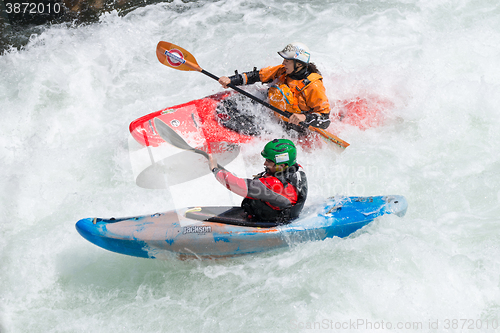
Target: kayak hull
196,121
201,121
193,233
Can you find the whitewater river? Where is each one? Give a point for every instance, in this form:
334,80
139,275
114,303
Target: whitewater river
67,98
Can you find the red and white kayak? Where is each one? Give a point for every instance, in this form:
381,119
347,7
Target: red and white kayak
196,121
213,123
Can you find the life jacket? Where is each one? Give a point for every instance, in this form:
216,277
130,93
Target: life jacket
286,96
281,183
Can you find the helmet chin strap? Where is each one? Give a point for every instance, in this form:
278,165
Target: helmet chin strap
281,167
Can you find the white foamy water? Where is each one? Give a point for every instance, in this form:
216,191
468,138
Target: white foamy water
66,101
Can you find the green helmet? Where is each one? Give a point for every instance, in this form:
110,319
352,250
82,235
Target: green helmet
280,151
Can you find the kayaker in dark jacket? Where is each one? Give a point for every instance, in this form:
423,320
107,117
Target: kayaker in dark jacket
278,194
297,87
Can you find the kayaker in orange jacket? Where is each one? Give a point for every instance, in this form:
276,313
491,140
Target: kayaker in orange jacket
297,87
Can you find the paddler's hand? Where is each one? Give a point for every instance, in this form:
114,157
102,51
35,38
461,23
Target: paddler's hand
212,162
296,118
224,81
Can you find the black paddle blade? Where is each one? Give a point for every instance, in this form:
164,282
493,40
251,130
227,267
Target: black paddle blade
170,136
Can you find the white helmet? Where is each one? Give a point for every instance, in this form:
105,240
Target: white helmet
296,51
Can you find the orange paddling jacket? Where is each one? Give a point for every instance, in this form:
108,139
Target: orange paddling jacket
305,94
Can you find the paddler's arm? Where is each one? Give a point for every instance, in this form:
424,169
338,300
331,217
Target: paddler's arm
297,118
319,113
240,79
212,164
247,188
313,119
319,120
226,178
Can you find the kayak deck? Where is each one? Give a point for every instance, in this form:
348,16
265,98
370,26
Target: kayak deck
227,215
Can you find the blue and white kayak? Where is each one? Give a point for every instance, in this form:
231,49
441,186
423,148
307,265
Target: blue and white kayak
215,232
